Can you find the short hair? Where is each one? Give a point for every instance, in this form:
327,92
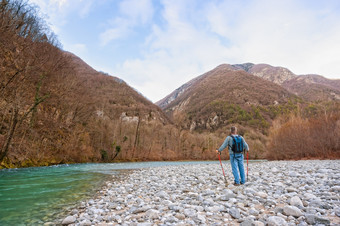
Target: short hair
233,129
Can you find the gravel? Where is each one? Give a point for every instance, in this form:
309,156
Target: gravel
277,193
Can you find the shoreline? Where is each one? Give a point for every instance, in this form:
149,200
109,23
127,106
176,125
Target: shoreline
300,192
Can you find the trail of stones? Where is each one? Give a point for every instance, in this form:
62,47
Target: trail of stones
277,193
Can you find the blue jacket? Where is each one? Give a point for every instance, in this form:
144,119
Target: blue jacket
228,142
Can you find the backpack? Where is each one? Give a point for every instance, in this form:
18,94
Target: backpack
237,146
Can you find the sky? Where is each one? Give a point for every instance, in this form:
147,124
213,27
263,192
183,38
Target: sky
158,45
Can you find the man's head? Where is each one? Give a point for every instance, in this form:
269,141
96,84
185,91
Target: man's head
233,130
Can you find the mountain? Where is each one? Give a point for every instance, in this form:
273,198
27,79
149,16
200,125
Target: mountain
215,98
106,92
277,75
250,96
225,96
314,88
86,116
309,87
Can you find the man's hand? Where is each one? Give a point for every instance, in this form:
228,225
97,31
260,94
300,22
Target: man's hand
218,152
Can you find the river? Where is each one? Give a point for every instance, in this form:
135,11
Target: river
36,195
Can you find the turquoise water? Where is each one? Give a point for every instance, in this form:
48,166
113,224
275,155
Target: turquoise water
33,196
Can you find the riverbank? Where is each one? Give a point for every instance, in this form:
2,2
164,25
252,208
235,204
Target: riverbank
277,193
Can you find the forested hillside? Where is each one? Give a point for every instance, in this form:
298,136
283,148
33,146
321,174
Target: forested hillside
54,108
57,109
261,105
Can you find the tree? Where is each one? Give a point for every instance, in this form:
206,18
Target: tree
25,61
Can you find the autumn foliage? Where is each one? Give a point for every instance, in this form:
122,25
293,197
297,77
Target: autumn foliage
298,137
54,109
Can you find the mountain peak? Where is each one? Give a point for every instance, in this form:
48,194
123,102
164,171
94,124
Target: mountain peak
245,66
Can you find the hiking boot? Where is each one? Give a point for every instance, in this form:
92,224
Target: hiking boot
236,184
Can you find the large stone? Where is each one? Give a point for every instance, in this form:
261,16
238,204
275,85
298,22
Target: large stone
85,223
258,223
247,222
293,174
310,218
227,197
292,211
162,194
69,220
319,204
291,189
180,216
201,219
261,194
335,188
249,190
270,202
276,221
175,208
275,170
139,210
253,212
309,196
171,219
235,213
143,224
337,212
296,201
190,212
322,220
152,214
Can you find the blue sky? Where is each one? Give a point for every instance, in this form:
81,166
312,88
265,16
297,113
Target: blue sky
156,46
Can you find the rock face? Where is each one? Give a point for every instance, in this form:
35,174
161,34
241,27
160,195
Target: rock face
277,75
197,195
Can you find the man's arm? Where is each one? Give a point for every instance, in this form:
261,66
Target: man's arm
245,145
224,145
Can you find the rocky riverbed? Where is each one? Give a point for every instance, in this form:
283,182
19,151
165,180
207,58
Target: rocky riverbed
277,193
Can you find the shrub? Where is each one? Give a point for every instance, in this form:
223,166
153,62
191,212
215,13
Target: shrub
298,138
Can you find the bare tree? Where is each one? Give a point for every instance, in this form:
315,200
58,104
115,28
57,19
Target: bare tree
25,59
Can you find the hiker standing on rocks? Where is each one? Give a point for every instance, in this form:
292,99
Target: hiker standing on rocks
236,145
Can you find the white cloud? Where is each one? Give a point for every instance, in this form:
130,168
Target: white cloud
120,30
188,37
79,49
131,14
281,33
137,10
174,54
59,3
58,11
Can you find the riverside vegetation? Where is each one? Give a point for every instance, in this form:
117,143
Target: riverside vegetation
54,109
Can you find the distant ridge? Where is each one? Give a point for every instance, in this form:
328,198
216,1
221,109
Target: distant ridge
308,87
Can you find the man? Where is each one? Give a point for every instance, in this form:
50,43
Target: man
236,154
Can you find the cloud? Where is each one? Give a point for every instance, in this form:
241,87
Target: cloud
174,53
132,13
285,33
196,37
58,11
78,49
159,45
